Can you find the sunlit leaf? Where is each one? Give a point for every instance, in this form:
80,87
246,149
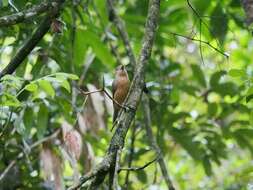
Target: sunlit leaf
9,100
32,87
47,87
237,73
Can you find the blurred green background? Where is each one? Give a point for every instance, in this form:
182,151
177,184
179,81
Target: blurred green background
200,88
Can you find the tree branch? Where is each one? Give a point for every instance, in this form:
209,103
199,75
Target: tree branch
131,155
248,8
226,55
134,96
28,46
139,168
116,169
153,143
26,14
100,169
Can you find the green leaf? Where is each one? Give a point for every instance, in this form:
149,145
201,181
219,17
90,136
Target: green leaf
207,166
184,138
212,109
40,63
227,88
219,23
201,6
80,48
42,121
142,176
9,100
28,120
248,98
237,73
47,87
189,89
65,84
67,75
198,75
12,81
99,48
215,78
18,123
251,118
32,87
5,3
249,95
247,132
11,78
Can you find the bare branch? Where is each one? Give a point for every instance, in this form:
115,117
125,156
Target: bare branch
135,93
201,41
26,14
206,25
104,91
101,168
91,92
248,8
153,143
28,46
139,168
131,154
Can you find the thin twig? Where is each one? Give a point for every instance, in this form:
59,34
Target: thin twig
202,21
201,41
133,99
29,45
139,168
3,174
91,92
200,44
26,14
131,154
104,91
153,143
13,6
115,101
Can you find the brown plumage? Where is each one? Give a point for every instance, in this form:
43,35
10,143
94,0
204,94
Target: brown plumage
120,87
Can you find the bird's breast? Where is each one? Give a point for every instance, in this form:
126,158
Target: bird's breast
122,90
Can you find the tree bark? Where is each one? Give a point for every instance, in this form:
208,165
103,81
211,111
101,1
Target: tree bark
248,8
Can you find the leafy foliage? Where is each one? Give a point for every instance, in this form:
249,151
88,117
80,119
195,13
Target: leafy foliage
201,101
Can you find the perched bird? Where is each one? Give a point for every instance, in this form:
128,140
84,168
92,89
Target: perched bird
120,87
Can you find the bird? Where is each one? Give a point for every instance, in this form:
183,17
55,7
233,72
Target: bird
120,88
